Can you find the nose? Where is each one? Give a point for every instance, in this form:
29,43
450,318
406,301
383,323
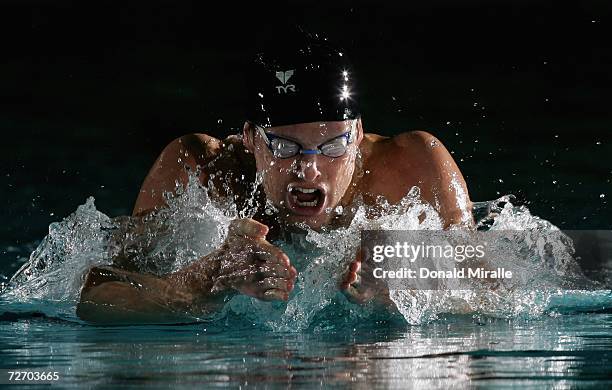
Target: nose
307,167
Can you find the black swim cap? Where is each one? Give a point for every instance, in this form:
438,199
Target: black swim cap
300,78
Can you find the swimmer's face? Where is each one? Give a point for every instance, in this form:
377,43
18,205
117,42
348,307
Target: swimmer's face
307,187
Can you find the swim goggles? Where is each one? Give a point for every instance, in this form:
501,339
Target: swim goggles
286,148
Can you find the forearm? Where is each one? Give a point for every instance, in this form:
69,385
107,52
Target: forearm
113,295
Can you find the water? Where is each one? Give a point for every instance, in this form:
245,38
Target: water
539,334
567,352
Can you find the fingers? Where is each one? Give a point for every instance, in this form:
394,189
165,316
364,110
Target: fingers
356,296
274,283
275,260
274,295
272,289
352,275
278,270
270,253
248,227
351,283
255,281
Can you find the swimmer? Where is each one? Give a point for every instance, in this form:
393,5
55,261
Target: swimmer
304,134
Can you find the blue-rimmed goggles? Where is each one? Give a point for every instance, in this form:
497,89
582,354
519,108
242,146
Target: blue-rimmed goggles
286,148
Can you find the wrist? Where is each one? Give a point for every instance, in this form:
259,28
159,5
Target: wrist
197,282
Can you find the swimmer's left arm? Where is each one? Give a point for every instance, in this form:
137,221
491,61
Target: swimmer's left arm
421,157
440,180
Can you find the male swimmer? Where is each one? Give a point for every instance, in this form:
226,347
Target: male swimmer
304,134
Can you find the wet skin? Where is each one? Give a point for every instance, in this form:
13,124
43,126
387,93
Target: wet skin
373,166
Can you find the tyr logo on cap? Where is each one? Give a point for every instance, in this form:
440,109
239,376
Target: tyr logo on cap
284,78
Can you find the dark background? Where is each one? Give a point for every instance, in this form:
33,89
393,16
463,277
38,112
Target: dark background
90,92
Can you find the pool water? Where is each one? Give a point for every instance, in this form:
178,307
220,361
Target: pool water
552,337
550,352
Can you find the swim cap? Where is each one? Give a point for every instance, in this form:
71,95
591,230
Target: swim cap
300,78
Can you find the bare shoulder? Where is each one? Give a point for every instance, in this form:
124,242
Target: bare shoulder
197,151
199,147
420,142
416,158
409,152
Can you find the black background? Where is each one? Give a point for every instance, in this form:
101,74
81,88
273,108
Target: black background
90,93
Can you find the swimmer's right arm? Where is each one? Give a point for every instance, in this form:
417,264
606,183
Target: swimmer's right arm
191,151
246,263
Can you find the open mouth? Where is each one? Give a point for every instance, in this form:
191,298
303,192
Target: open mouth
305,200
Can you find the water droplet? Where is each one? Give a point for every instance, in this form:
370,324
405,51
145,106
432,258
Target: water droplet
367,171
554,182
598,143
339,209
433,143
602,195
500,180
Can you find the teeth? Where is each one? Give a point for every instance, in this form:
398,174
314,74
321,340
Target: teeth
305,204
305,190
308,204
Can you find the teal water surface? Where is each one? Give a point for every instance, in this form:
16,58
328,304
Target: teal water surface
565,351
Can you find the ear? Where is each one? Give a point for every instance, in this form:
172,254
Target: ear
247,136
359,132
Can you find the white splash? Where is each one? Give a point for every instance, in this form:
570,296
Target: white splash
193,225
